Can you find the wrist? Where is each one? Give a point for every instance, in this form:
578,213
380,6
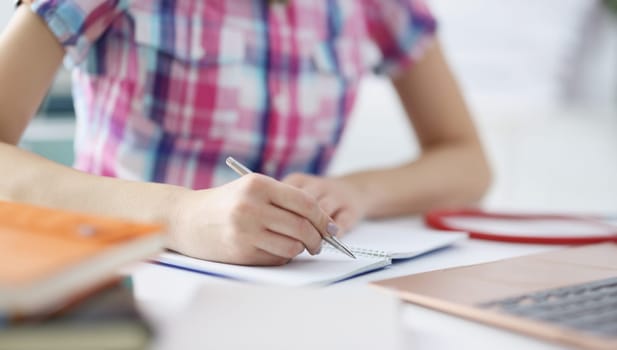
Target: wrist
172,205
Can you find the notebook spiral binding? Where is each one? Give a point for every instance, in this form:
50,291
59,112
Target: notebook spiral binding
364,252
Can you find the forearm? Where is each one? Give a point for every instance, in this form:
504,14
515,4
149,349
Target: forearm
29,178
452,169
445,175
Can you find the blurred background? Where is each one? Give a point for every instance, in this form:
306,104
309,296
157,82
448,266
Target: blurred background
540,78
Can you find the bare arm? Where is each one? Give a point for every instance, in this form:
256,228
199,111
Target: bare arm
452,169
254,220
30,58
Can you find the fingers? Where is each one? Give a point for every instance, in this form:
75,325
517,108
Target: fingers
296,179
279,245
293,218
308,184
329,203
294,226
282,209
301,203
330,206
346,219
260,257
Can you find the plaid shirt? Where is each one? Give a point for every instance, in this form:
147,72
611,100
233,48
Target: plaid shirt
166,90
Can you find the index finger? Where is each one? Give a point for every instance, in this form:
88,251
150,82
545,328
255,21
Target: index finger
299,202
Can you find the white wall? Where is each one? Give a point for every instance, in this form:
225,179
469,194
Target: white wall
512,60
541,51
6,10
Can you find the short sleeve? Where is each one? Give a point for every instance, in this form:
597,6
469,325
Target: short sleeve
78,24
401,29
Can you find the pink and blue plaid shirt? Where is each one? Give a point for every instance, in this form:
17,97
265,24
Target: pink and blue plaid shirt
166,90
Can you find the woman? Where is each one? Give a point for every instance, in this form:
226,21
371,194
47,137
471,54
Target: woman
166,90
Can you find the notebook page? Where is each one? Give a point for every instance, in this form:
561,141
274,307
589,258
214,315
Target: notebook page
327,267
400,239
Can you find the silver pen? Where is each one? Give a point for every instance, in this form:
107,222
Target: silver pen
332,240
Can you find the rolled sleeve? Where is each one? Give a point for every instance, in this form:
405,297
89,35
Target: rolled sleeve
78,24
402,30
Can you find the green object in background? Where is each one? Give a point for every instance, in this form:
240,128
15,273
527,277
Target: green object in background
612,5
59,151
51,138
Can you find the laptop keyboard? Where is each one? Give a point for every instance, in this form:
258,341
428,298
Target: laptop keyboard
588,307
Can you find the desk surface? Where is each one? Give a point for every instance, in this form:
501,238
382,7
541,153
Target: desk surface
162,290
549,161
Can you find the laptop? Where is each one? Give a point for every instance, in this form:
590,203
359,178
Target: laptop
567,296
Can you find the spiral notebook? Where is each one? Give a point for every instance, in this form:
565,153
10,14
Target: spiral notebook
374,243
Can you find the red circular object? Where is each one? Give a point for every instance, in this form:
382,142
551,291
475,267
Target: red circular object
438,219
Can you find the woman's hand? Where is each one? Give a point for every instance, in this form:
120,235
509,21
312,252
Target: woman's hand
254,220
338,198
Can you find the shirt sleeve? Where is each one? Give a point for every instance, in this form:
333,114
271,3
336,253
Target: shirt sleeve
402,30
78,24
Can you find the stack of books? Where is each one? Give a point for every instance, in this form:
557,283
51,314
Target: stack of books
59,282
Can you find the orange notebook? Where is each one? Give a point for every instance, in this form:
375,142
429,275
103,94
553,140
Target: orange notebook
49,256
